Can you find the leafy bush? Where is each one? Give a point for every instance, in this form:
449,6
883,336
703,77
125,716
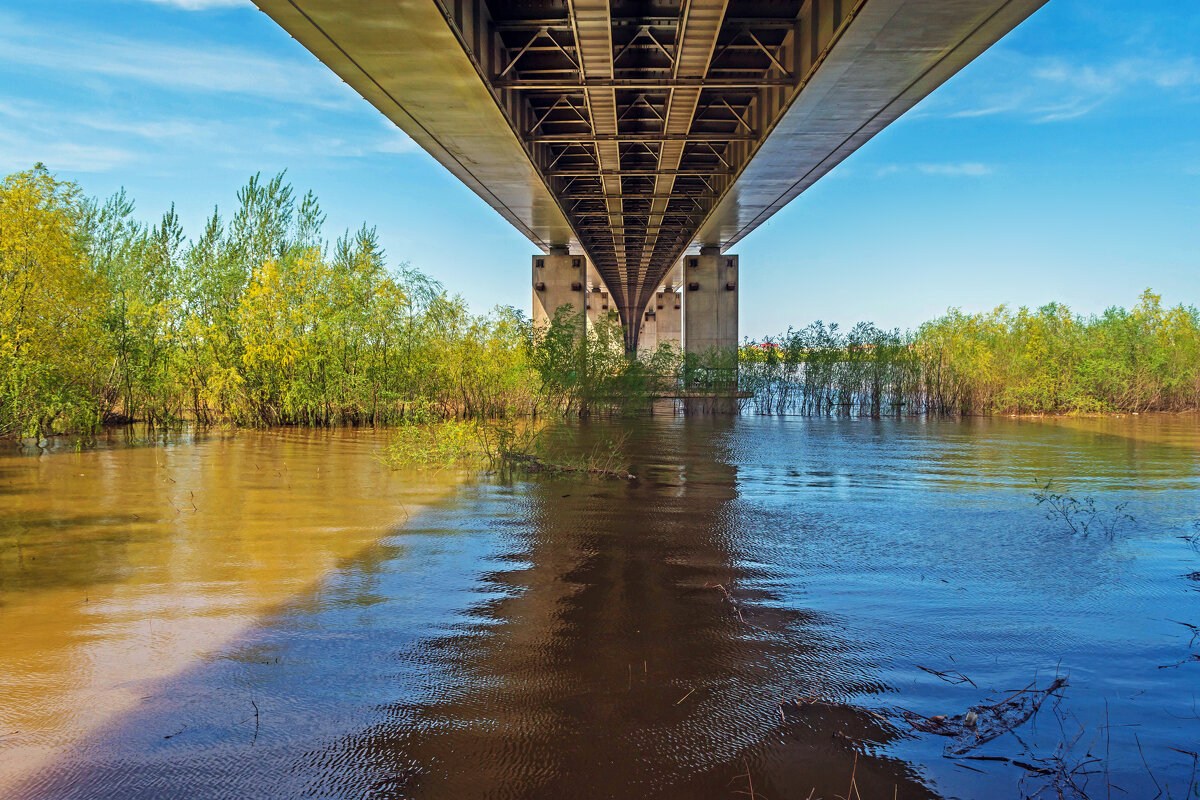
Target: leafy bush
437,445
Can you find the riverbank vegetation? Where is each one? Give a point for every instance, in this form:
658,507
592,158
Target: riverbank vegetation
1042,361
259,319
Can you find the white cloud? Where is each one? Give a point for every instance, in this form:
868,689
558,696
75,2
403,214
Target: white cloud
98,141
207,68
46,121
1119,75
18,153
965,169
397,142
1056,89
968,169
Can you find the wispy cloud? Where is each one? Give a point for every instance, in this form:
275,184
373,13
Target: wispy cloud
1120,75
39,120
965,169
19,152
98,141
1044,90
396,142
196,68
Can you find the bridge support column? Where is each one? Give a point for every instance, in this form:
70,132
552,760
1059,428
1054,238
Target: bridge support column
710,329
559,279
710,302
662,321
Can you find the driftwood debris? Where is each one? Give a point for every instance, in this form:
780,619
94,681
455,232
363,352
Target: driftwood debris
982,723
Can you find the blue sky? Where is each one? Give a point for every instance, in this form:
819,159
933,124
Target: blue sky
1063,164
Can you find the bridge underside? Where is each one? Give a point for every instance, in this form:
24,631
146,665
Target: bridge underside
638,130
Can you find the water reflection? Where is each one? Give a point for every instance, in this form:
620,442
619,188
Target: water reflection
548,638
613,661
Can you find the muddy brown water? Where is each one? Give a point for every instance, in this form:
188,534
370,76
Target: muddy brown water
275,614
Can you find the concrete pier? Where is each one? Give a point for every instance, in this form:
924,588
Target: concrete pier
695,311
559,279
599,302
710,301
710,330
662,321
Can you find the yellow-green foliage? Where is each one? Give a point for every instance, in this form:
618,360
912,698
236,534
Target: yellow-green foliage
448,443
258,321
52,302
262,321
1052,361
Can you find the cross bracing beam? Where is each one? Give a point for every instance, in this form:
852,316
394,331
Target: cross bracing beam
637,22
565,173
636,132
642,137
554,85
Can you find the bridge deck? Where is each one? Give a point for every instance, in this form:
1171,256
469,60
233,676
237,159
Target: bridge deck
636,130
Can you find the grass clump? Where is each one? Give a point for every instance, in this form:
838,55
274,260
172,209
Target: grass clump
520,444
436,445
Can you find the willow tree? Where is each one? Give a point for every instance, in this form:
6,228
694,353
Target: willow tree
54,364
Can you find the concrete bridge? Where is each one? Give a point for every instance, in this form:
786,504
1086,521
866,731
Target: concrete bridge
636,141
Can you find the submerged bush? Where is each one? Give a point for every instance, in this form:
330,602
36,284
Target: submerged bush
56,368
820,370
584,368
531,445
261,320
438,445
1052,361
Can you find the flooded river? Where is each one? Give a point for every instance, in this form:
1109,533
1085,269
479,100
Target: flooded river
275,614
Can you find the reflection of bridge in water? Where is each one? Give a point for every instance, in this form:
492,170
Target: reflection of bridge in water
549,639
636,142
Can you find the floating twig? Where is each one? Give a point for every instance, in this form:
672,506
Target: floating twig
950,676
256,722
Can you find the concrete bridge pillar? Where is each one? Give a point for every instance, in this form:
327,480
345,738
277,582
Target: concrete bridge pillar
710,301
559,279
662,321
599,304
709,287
